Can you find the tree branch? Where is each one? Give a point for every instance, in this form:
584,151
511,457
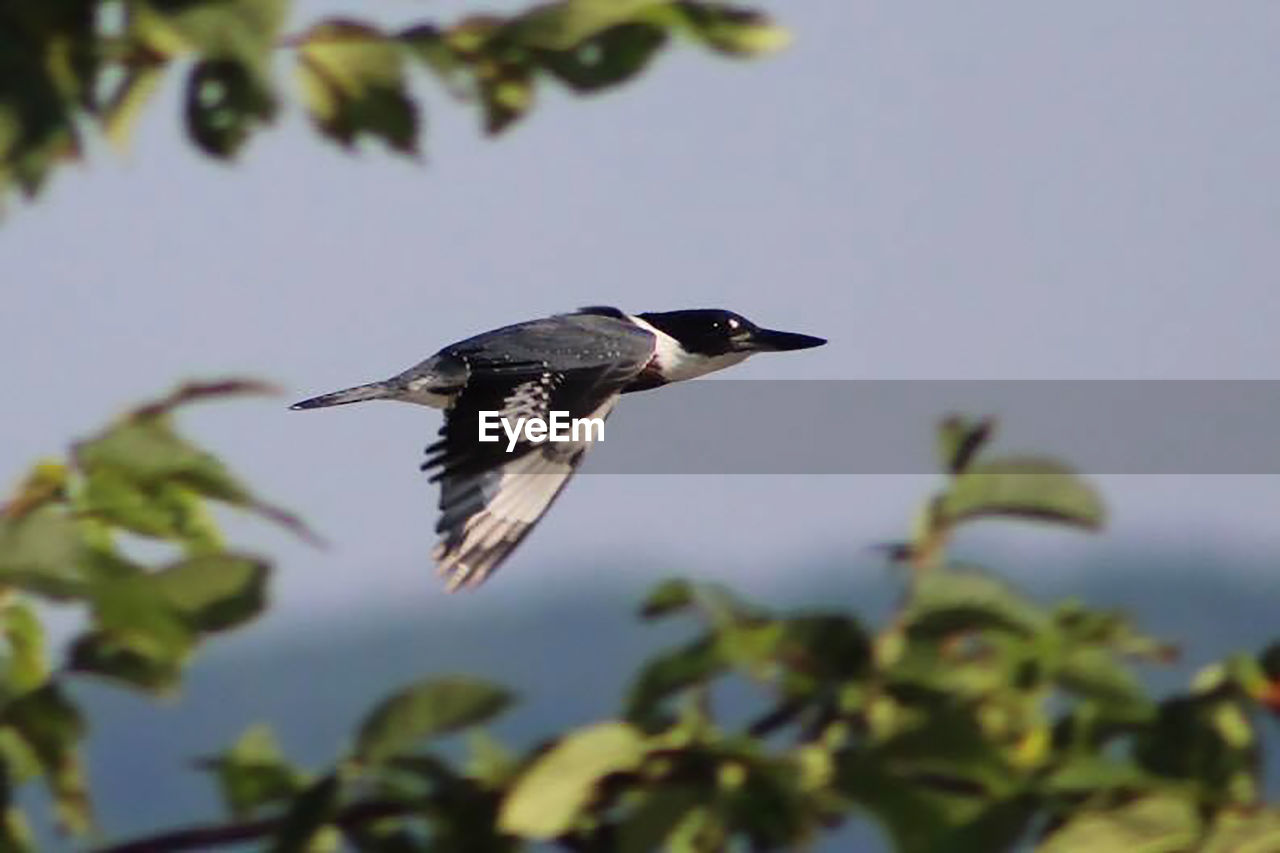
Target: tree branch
222,834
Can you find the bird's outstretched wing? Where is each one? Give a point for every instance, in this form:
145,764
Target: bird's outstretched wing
491,498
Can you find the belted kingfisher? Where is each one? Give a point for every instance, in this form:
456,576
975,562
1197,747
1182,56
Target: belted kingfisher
579,363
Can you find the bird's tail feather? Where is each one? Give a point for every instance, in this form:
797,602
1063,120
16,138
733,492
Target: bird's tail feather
372,391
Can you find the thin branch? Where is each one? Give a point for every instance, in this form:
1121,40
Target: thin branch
222,834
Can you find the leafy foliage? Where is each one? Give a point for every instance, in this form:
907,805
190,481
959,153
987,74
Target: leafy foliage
66,65
65,536
975,719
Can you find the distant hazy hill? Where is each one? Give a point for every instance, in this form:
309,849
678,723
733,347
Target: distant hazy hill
569,654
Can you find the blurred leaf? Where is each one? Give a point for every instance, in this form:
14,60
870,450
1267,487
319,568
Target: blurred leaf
948,748
670,596
142,606
225,99
732,30
1156,823
307,816
953,599
163,509
607,58
15,833
920,817
253,773
428,708
99,653
432,48
40,552
48,70
234,29
667,674
506,91
824,647
1092,774
137,468
147,450
140,638
215,592
1099,675
1255,832
26,667
1112,630
46,483
546,800
491,763
1029,487
1188,741
649,826
352,79
51,725
960,440
565,25
127,659
124,106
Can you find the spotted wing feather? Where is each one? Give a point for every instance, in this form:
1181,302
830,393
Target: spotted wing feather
491,498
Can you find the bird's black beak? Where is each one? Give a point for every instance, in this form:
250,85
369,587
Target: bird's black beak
771,340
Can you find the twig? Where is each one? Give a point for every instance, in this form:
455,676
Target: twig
222,834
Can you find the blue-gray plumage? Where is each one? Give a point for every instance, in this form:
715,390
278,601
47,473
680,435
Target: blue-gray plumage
580,363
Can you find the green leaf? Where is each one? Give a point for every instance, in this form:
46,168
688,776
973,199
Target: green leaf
352,79
253,773
960,440
607,58
215,592
51,725
147,451
41,551
26,667
140,637
15,833
126,659
239,29
1099,675
308,815
120,114
953,599
1027,487
1089,774
1156,823
670,596
547,799
139,467
506,92
163,509
732,30
920,818
950,749
565,25
432,49
225,100
824,647
1206,740
670,673
426,709
1256,832
490,762
651,824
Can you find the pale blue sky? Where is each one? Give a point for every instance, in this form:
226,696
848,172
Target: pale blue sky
945,190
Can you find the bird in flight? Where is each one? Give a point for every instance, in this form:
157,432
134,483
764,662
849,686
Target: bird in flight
493,493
